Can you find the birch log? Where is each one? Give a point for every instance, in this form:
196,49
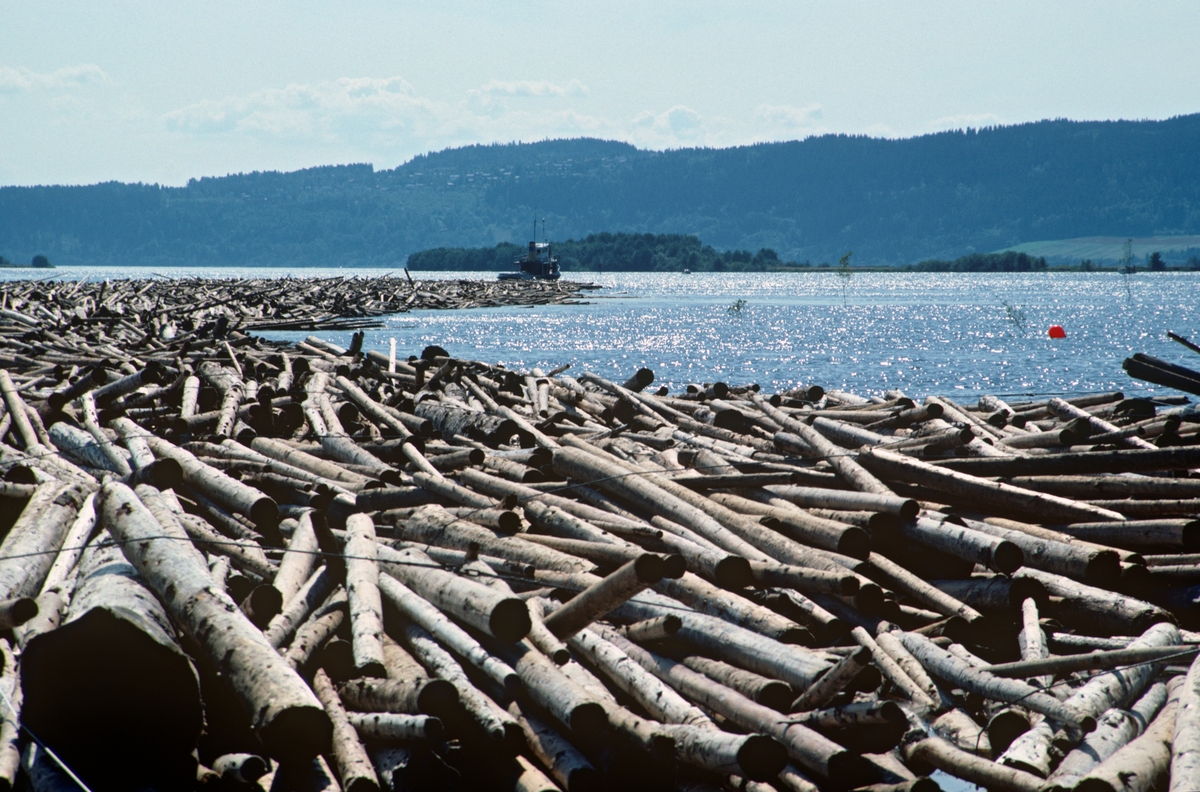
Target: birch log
114,661
362,589
285,714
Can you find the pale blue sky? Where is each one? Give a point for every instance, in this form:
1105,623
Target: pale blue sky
164,91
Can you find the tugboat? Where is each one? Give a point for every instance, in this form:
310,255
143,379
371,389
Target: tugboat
539,263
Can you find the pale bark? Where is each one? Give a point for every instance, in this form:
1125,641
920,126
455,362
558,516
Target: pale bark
436,526
419,611
550,689
810,749
1031,751
73,545
497,724
658,699
569,767
320,625
1185,745
1144,763
769,692
829,684
540,636
594,602
845,464
531,779
354,767
285,714
1094,661
755,757
892,670
31,545
1114,729
957,762
228,492
1097,611
296,610
10,719
952,669
858,713
1002,498
413,696
742,647
240,768
299,558
657,629
504,618
114,660
395,726
362,590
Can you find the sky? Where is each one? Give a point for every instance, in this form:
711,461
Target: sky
161,92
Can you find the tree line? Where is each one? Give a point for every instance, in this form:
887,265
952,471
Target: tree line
606,251
894,202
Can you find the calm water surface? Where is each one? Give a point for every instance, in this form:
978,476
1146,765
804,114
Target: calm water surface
945,334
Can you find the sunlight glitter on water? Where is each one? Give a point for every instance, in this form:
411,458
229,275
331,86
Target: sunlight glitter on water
925,333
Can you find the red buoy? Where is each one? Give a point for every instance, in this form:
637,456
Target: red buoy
1056,331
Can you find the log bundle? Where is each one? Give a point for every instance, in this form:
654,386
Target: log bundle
174,307
231,562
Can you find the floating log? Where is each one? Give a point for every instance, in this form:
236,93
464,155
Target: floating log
1115,728
285,714
1144,762
609,593
1003,498
505,618
29,548
362,591
787,531
114,661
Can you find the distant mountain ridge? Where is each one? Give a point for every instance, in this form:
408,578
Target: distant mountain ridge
890,201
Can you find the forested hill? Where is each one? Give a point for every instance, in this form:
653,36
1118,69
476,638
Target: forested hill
890,201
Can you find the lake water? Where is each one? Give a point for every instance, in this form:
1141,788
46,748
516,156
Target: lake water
925,333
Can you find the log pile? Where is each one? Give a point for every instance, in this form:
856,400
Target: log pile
227,562
168,308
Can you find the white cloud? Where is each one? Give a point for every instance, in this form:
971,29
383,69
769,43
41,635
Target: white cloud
20,79
533,88
679,123
384,119
320,110
786,116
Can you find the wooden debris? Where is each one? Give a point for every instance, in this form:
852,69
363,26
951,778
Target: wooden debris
397,535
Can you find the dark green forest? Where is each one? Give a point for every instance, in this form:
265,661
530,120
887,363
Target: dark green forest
1008,261
893,202
607,251
676,252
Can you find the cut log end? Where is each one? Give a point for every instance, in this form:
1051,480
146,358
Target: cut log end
263,604
298,734
15,612
733,573
1007,558
264,512
1103,569
437,697
674,565
855,542
589,720
510,621
761,758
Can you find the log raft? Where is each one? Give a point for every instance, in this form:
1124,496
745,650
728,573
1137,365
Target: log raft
807,590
